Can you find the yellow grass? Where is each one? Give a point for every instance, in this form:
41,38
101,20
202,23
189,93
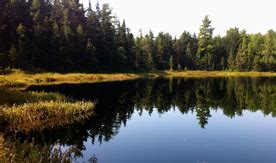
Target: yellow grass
21,79
40,115
14,97
217,74
27,111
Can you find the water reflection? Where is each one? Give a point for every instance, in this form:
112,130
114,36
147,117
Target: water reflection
118,101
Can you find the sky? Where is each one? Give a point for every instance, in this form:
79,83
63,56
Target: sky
176,16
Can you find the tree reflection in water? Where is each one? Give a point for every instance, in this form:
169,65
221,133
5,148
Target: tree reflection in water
117,101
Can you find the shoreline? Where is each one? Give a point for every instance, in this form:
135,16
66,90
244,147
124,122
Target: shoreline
20,79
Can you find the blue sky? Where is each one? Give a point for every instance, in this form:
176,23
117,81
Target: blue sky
175,16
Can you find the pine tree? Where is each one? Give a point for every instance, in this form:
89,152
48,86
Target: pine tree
242,54
60,35
219,53
131,51
269,53
108,55
233,39
121,41
205,48
182,44
190,57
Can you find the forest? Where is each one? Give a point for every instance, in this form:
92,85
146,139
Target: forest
64,36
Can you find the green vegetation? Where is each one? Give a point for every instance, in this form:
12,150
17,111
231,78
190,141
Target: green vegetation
200,74
40,115
11,97
17,78
27,111
20,79
63,36
46,42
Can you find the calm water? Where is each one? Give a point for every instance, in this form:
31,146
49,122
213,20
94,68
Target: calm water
170,120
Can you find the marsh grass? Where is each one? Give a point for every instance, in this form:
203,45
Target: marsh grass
27,111
19,79
12,97
41,115
200,74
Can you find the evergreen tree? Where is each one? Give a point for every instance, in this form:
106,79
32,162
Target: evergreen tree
164,49
108,55
121,41
242,54
131,51
182,55
190,57
232,40
219,54
61,35
269,53
144,55
255,48
205,48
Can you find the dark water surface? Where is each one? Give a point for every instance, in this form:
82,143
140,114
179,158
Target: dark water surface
170,120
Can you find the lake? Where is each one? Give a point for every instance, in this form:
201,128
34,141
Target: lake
200,120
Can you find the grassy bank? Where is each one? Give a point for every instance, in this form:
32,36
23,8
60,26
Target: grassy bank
13,97
20,79
40,115
199,74
27,111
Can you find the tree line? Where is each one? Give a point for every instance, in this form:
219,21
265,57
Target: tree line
63,36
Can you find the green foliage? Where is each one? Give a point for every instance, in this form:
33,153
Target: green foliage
232,39
185,49
9,98
268,60
63,37
205,48
26,111
242,54
30,116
